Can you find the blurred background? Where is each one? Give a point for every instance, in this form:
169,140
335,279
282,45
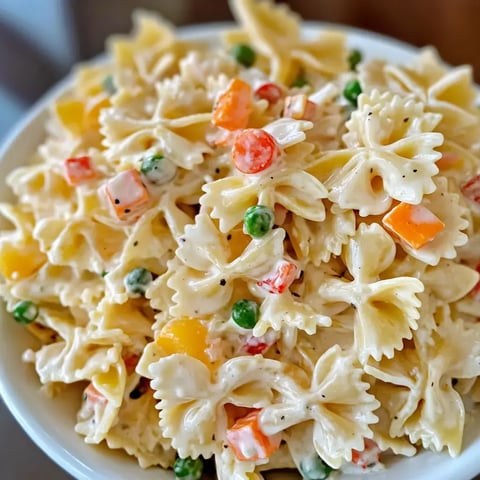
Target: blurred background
40,40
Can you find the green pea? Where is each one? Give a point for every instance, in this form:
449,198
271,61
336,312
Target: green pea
258,220
314,468
243,54
300,81
351,91
245,313
188,468
157,169
109,85
136,281
354,59
25,312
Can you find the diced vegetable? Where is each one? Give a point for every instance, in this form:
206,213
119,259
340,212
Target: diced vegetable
471,189
71,114
449,161
351,91
281,278
234,106
243,54
258,220
127,194
109,85
234,412
354,58
157,169
131,361
254,150
17,263
270,92
79,170
25,312
299,107
137,280
368,457
92,396
245,313
247,440
300,81
314,468
416,225
188,468
256,346
185,335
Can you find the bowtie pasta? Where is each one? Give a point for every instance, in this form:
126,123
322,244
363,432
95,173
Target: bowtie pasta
262,251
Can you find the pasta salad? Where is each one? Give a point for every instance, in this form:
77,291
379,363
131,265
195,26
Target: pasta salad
260,252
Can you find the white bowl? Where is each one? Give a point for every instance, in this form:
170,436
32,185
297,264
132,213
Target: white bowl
50,423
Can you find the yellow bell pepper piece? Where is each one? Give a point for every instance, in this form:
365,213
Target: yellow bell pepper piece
185,335
17,263
71,113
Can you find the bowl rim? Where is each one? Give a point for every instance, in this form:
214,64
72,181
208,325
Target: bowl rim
25,417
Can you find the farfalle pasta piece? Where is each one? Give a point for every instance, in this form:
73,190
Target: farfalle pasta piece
127,145
277,310
149,55
202,276
318,241
275,32
432,412
386,311
148,246
32,183
341,410
192,415
79,353
448,207
59,285
296,190
390,156
138,433
81,243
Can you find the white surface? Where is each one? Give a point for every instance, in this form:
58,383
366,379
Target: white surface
50,422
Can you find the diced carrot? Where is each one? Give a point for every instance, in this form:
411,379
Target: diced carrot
471,189
416,225
185,335
71,114
449,161
93,396
247,440
299,107
17,263
254,150
234,106
234,412
127,195
281,278
259,345
131,361
368,457
270,92
79,170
